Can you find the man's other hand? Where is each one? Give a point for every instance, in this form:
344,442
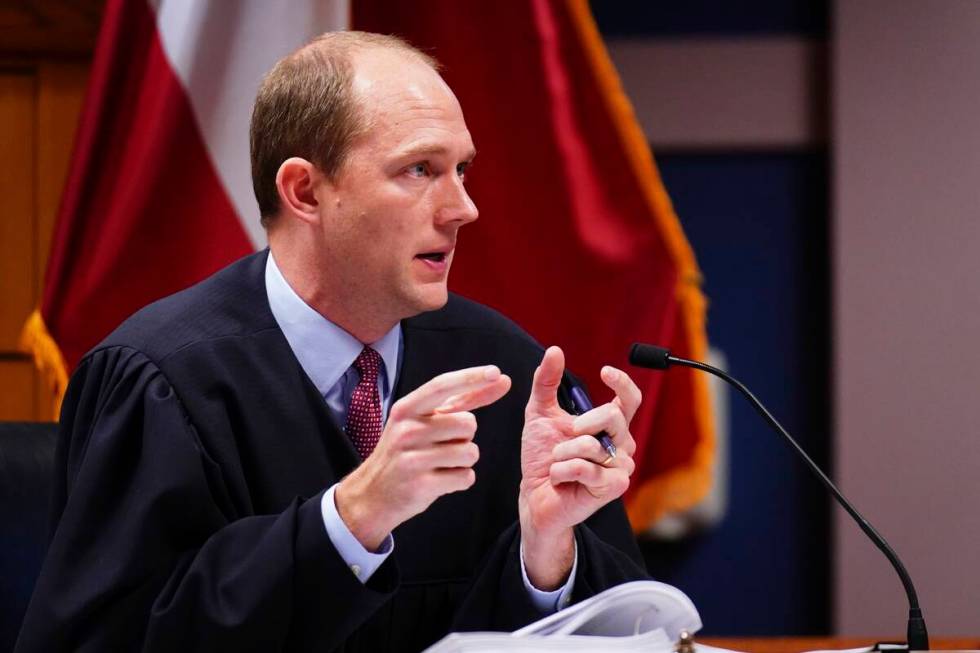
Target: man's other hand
566,474
425,451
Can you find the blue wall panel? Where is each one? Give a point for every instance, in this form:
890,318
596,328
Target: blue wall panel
758,224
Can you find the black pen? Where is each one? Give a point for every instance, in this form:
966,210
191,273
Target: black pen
582,405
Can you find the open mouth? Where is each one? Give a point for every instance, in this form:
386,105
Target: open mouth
435,257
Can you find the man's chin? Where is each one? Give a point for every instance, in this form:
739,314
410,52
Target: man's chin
434,299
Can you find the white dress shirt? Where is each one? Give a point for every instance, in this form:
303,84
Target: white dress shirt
327,353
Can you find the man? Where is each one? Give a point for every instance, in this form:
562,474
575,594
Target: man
240,459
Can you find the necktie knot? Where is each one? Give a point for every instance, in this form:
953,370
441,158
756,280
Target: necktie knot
368,363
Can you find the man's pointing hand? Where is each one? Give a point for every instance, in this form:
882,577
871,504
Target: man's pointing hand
425,451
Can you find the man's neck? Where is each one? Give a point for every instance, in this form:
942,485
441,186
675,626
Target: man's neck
309,282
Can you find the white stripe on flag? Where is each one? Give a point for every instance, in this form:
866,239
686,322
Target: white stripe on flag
220,52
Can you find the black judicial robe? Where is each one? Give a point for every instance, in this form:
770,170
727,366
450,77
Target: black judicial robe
193,455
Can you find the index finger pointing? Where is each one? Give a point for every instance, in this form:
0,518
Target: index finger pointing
429,396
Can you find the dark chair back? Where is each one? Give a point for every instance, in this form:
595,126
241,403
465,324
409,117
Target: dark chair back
26,474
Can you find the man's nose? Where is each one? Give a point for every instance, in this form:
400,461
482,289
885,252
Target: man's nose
457,205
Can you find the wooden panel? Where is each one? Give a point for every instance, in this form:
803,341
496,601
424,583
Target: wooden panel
17,402
58,27
40,102
61,91
17,283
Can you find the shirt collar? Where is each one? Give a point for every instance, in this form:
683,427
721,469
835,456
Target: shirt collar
324,350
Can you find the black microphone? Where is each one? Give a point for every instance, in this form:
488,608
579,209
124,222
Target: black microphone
658,358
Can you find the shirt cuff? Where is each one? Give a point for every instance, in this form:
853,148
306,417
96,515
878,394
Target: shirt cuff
360,561
551,601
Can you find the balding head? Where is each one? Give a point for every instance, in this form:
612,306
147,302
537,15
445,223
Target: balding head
307,107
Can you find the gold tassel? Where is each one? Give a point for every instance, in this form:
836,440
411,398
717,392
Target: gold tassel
36,340
681,488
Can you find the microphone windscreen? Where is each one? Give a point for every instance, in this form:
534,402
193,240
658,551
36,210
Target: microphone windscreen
643,355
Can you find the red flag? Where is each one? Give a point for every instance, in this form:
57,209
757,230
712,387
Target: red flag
159,194
577,239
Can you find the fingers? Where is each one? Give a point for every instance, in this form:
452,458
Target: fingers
420,433
628,394
547,378
477,398
432,429
588,448
453,480
448,466
447,455
608,418
425,399
603,483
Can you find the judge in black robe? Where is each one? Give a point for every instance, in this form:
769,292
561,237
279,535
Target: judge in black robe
194,452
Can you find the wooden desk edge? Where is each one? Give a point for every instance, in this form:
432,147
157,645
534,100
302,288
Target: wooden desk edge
799,644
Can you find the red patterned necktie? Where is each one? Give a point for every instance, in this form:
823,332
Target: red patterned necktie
364,412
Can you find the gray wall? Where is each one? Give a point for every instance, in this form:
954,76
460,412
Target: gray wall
906,177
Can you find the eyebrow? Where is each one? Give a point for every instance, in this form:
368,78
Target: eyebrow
431,150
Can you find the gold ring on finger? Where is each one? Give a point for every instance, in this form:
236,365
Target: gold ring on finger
609,459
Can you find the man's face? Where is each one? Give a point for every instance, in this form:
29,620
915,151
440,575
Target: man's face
391,215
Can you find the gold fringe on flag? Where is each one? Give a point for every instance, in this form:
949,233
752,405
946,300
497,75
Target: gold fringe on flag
678,489
36,341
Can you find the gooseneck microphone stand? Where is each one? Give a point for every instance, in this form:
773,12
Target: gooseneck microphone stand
658,358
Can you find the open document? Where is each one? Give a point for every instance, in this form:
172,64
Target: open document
640,616
637,616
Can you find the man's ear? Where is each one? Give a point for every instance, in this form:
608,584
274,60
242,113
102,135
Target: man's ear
296,182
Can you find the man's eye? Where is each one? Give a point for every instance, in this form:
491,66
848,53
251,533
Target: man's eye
461,170
418,170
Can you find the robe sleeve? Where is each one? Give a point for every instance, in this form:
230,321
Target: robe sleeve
148,552
497,598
